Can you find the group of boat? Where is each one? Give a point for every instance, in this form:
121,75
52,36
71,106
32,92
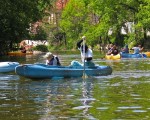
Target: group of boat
122,55
39,71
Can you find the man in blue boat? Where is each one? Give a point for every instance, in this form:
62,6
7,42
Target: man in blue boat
52,59
86,52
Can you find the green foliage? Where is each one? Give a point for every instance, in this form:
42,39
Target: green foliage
96,17
72,19
41,35
42,48
92,18
16,17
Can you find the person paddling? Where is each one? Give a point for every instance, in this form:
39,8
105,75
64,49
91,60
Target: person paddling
86,52
125,49
113,51
137,49
52,59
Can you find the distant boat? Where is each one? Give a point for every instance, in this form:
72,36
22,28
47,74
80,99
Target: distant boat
8,66
45,71
19,53
147,53
112,57
127,55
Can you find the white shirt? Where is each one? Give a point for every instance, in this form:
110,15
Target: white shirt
136,50
89,53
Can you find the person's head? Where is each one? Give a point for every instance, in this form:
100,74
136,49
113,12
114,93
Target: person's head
49,55
111,45
139,46
126,46
86,48
83,37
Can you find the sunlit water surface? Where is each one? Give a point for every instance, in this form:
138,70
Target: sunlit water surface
123,95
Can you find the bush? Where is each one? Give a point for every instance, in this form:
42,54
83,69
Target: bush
42,48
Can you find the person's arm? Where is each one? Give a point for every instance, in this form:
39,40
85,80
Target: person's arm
46,62
109,52
141,48
79,43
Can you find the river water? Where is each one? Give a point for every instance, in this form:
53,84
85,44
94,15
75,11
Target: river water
123,95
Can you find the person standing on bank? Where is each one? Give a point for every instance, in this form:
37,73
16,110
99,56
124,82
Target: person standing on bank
86,52
52,59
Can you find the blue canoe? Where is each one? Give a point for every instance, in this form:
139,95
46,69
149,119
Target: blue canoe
8,66
37,71
127,55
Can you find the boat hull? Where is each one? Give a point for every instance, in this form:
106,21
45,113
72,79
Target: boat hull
8,66
147,53
127,55
18,53
113,57
44,71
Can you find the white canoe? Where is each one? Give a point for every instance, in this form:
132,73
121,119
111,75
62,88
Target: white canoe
8,66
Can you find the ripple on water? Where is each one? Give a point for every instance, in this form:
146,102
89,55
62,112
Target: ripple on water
81,107
139,111
87,99
135,109
9,77
126,74
102,108
129,107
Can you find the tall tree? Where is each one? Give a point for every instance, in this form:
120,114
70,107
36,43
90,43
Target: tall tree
73,17
101,16
16,17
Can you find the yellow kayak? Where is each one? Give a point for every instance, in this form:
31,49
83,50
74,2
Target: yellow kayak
113,57
147,53
19,53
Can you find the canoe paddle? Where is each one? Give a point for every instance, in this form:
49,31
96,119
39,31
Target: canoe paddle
84,74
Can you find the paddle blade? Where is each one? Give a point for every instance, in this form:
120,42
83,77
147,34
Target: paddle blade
84,76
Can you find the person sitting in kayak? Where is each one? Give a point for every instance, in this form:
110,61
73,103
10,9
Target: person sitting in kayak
52,59
113,51
125,49
138,49
23,50
86,52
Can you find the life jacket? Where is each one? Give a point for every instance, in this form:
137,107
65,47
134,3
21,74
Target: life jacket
55,58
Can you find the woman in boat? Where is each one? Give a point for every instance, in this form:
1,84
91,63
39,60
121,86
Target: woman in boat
86,52
113,51
52,59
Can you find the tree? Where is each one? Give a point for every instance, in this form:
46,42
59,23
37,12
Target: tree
73,17
16,17
95,18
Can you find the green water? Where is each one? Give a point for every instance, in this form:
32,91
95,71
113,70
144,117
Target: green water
120,96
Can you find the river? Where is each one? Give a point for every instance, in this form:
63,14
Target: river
120,96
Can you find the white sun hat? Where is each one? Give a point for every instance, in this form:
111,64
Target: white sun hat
49,54
83,37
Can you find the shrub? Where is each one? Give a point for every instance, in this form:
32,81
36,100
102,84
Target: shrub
42,48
